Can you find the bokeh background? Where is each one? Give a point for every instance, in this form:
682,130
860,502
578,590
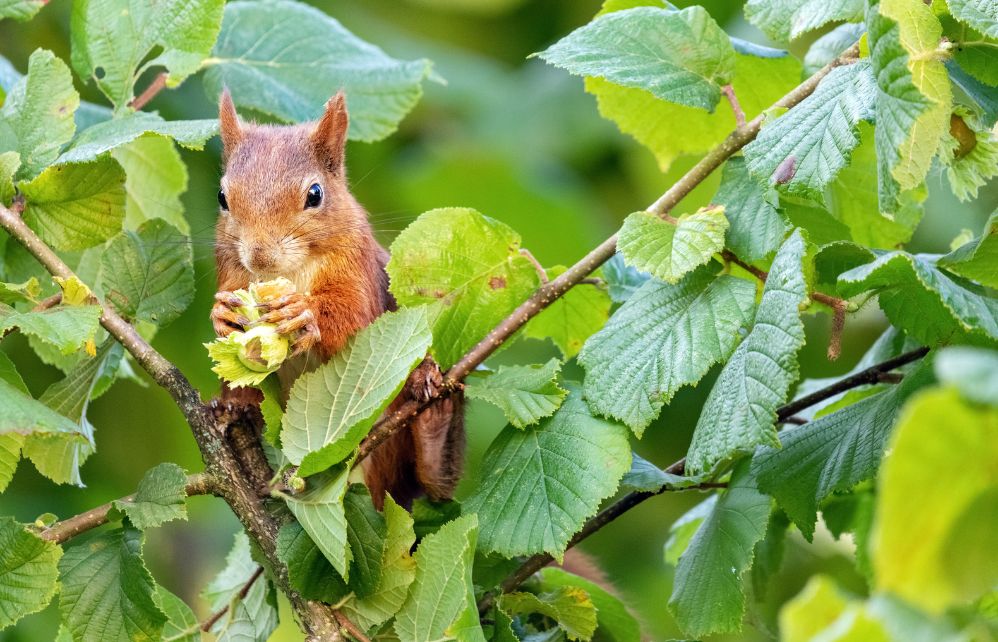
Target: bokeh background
519,141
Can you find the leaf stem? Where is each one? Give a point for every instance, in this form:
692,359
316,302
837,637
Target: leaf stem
157,85
630,500
736,107
60,532
541,272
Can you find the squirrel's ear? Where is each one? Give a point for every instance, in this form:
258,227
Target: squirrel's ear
231,129
330,134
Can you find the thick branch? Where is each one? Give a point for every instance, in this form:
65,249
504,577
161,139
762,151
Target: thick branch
629,501
549,292
221,463
60,532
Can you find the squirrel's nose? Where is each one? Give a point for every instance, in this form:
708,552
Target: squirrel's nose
256,257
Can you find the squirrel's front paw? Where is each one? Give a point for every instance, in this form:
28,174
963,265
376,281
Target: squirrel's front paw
225,317
293,318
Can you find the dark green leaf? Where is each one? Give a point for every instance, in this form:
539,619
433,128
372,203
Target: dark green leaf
28,571
161,497
111,134
286,59
755,226
525,394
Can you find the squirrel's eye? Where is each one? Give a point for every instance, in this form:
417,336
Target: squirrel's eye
314,196
221,200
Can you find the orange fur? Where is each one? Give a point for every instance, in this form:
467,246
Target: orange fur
331,254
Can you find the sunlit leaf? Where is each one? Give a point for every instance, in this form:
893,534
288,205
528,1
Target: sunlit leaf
614,622
525,394
569,606
572,318
332,408
784,20
670,250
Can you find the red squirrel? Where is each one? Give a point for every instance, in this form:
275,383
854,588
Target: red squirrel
287,210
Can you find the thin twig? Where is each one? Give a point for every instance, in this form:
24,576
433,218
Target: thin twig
549,292
593,280
736,107
795,420
629,501
60,532
157,85
240,596
541,272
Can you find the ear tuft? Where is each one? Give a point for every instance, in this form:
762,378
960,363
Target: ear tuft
229,125
330,133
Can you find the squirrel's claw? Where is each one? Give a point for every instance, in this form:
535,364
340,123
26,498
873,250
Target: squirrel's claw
225,320
425,381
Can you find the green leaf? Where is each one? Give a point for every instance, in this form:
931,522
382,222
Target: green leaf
181,624
614,622
707,594
922,300
252,618
913,93
112,134
161,497
678,56
366,532
831,45
684,528
973,371
935,548
115,42
670,250
309,572
982,15
740,411
572,318
148,274
332,408
803,150
107,594
291,72
20,10
853,199
396,571
967,173
155,177
66,327
57,457
755,226
569,606
977,259
785,20
28,571
9,162
37,116
663,338
622,280
833,453
467,265
441,602
525,394
23,415
272,410
10,454
321,513
73,207
762,76
646,477
815,608
566,466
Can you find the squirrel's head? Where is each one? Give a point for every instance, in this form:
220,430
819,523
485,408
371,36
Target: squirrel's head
284,196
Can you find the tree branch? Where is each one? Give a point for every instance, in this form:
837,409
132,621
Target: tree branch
736,107
221,462
555,288
60,532
630,500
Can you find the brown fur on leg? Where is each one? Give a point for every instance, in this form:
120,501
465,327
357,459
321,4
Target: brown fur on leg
438,436
391,467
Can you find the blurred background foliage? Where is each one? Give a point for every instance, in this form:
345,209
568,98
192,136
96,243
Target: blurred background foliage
521,142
